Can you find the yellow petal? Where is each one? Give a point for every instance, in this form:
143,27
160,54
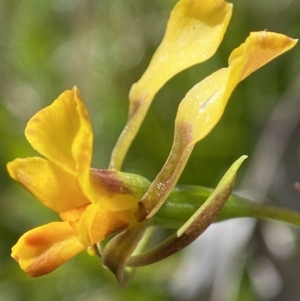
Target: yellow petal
204,104
51,185
73,214
96,224
43,249
62,132
194,31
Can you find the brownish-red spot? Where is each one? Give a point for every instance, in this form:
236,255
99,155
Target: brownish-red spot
36,240
15,257
108,180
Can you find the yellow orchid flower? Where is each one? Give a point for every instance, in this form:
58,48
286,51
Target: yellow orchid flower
92,203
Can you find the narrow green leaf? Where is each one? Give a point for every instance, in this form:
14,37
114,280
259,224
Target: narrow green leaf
185,200
206,214
196,225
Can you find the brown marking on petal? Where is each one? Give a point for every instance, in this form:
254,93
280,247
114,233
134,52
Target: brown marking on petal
136,105
52,257
35,240
39,268
184,130
15,257
43,264
108,180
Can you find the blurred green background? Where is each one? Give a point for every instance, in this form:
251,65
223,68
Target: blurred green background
103,47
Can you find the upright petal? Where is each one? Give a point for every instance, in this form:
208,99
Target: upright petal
204,104
62,132
43,249
51,185
194,32
259,49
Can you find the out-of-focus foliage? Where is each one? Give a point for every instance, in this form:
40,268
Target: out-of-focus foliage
103,47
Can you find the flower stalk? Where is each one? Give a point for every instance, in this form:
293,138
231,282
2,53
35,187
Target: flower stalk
185,200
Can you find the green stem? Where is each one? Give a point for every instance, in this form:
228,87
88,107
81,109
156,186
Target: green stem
185,200
167,178
135,119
